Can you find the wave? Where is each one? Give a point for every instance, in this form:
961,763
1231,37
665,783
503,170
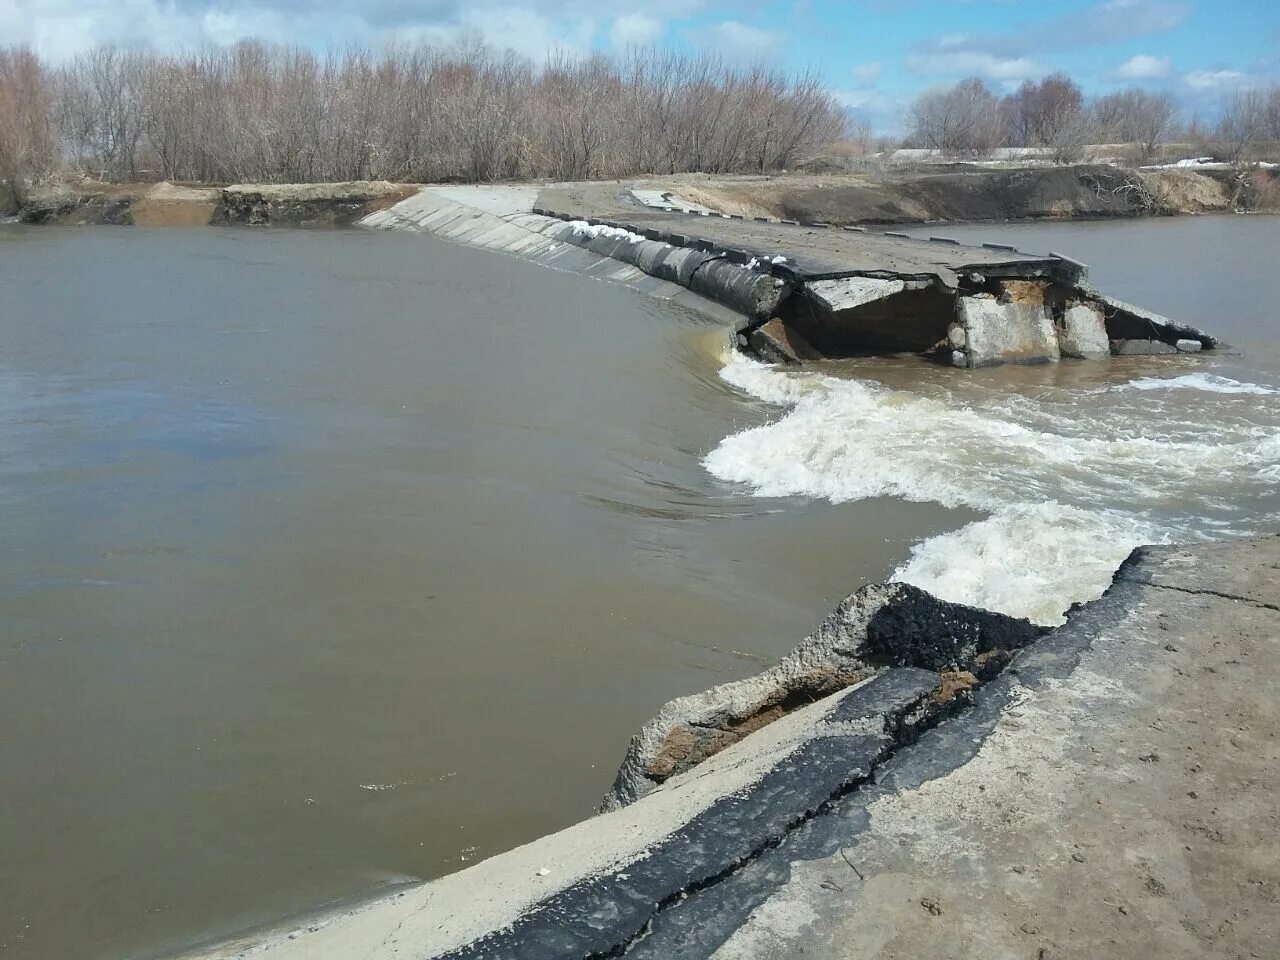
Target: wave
1029,560
1066,505
1205,382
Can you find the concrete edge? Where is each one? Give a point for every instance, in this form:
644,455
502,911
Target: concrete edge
735,294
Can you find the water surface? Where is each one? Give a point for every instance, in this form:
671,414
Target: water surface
335,559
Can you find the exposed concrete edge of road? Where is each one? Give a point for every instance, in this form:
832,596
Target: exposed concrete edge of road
879,626
679,871
969,812
704,924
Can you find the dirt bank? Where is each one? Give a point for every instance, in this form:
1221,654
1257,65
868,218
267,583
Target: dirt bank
305,205
188,205
924,194
966,193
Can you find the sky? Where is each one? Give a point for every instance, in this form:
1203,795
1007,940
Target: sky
877,54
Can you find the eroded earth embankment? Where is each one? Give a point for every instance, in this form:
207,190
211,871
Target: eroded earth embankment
168,204
925,195
938,194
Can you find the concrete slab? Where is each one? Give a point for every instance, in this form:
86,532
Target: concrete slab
497,199
850,292
1111,797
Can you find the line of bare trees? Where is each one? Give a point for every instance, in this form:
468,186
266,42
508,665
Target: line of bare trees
257,113
1053,114
28,142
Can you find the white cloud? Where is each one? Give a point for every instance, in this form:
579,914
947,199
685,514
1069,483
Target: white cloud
1216,79
1010,50
883,112
955,62
635,29
738,40
1143,67
527,31
59,29
867,73
859,99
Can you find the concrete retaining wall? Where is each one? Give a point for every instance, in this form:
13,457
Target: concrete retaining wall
702,279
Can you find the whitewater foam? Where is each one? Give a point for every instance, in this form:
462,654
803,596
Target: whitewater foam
1205,382
1069,493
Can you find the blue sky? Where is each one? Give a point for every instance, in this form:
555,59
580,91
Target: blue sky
877,53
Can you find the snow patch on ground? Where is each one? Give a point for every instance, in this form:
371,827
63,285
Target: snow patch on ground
593,230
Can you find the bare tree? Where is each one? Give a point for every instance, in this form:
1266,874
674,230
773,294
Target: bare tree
256,113
1271,127
1135,116
965,119
1049,114
27,143
1242,122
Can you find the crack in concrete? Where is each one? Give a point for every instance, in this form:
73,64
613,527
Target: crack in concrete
1208,593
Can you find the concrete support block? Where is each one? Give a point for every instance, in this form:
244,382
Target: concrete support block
1015,328
1142,348
1084,333
1125,321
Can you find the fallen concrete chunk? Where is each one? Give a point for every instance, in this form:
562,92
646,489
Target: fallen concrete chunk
774,343
881,625
1189,346
1125,321
1142,348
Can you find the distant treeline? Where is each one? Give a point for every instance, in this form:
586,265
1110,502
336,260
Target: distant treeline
1053,114
271,114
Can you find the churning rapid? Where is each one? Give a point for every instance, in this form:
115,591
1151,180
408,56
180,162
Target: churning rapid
1075,464
1073,476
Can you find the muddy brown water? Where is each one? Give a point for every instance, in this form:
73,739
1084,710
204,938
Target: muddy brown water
338,559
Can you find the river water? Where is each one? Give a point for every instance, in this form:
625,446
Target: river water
337,559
